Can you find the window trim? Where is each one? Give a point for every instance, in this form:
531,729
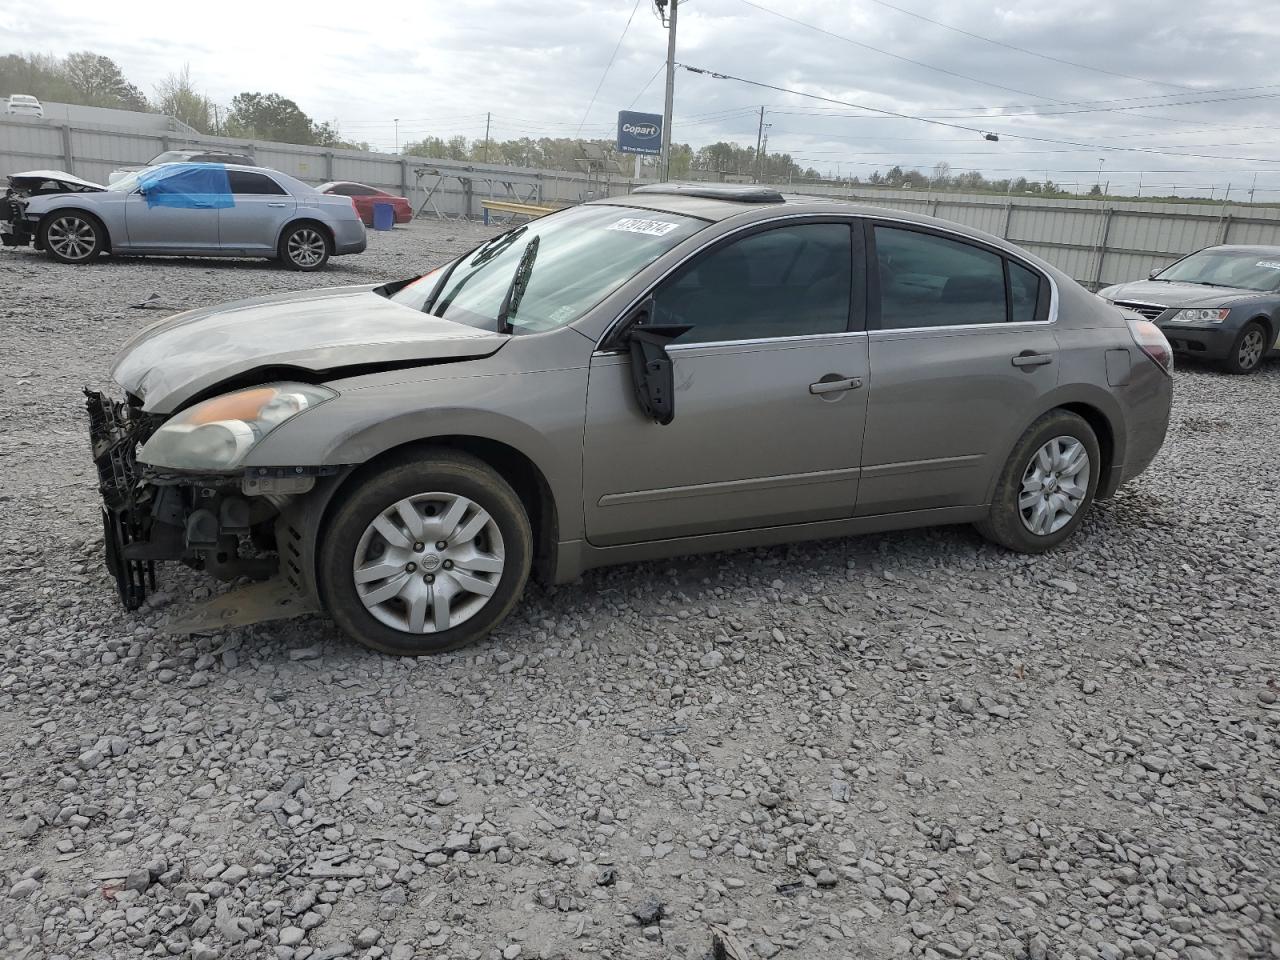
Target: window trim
280,191
855,324
874,319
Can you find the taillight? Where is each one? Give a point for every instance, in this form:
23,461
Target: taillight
1152,342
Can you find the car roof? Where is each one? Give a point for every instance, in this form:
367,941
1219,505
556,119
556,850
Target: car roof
1247,248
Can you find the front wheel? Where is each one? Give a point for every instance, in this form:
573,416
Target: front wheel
428,555
304,247
72,237
1047,485
1249,348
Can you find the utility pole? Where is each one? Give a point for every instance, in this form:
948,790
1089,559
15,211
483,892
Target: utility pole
487,118
764,150
1253,186
664,163
396,121
759,134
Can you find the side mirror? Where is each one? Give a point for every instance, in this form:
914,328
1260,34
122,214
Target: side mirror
1153,273
652,369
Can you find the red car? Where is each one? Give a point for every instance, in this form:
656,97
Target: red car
363,198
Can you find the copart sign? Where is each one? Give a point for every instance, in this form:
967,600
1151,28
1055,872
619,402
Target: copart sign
639,132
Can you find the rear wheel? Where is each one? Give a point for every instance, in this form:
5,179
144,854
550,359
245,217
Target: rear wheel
1047,485
72,237
304,247
427,556
1249,348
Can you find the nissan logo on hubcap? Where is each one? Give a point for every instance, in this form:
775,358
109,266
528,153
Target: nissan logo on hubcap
431,563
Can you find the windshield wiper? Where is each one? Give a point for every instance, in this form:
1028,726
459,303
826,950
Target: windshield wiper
519,283
478,256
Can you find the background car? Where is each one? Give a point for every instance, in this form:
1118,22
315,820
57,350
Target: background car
24,105
1220,303
674,371
364,197
196,209
184,156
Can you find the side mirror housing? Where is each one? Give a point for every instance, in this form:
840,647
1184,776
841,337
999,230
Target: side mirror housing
652,369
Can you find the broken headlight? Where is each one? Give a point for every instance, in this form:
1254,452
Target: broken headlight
219,433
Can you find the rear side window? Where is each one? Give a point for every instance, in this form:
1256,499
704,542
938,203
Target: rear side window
1024,293
253,184
360,190
785,282
930,281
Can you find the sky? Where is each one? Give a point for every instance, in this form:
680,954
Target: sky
1064,85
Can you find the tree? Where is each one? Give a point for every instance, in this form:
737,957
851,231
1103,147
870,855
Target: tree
269,117
100,83
1095,190
941,173
177,96
37,74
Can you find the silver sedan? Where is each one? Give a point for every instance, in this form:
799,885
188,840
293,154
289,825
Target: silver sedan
197,209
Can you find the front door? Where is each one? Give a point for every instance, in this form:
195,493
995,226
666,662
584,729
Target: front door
770,395
177,214
961,351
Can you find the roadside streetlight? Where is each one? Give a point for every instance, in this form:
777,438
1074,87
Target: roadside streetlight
396,121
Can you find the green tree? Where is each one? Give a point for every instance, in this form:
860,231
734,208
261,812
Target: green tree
37,74
269,117
100,82
177,96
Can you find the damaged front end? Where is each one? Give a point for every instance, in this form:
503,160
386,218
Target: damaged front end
15,229
220,523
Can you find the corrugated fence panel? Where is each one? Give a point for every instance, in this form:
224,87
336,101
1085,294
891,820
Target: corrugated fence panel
1137,235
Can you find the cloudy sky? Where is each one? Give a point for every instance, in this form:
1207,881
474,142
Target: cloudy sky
1102,80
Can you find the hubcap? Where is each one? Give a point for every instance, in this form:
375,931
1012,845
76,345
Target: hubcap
429,562
71,237
1251,349
1054,485
306,247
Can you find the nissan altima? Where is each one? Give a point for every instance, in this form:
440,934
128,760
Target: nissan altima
684,369
1219,303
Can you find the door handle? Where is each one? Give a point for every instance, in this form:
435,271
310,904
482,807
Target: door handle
1029,359
277,204
835,386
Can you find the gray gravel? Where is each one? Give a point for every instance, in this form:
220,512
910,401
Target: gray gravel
902,745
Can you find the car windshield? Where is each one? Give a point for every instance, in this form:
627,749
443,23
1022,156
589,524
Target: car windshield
583,254
1247,270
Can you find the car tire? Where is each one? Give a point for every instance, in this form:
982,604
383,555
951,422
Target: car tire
72,237
379,611
1037,502
305,247
1247,350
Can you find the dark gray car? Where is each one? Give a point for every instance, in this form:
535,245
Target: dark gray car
1220,303
676,371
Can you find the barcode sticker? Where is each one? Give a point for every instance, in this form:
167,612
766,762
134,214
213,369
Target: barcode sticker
1269,264
652,228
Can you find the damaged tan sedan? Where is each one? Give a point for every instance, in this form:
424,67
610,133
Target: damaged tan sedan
680,370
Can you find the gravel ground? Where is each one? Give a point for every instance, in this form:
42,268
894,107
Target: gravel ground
902,745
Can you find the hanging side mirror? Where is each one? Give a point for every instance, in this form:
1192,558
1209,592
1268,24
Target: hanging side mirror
652,369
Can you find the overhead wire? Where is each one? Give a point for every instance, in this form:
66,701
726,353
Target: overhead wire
608,66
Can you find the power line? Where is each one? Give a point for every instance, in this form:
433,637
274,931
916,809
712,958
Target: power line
661,64
609,65
957,126
1031,53
895,56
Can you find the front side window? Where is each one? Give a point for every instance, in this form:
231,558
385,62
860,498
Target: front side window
581,255
786,282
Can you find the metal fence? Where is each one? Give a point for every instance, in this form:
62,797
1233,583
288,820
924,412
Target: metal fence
1097,242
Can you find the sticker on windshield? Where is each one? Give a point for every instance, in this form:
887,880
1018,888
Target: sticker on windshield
1269,264
652,228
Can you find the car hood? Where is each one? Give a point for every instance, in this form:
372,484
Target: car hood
321,332
1164,294
29,181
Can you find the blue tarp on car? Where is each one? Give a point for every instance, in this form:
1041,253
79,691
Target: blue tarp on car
201,186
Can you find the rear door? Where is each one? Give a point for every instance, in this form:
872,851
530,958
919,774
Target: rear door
962,348
260,211
769,398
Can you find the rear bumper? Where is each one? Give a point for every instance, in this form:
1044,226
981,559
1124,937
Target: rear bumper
1211,343
349,237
